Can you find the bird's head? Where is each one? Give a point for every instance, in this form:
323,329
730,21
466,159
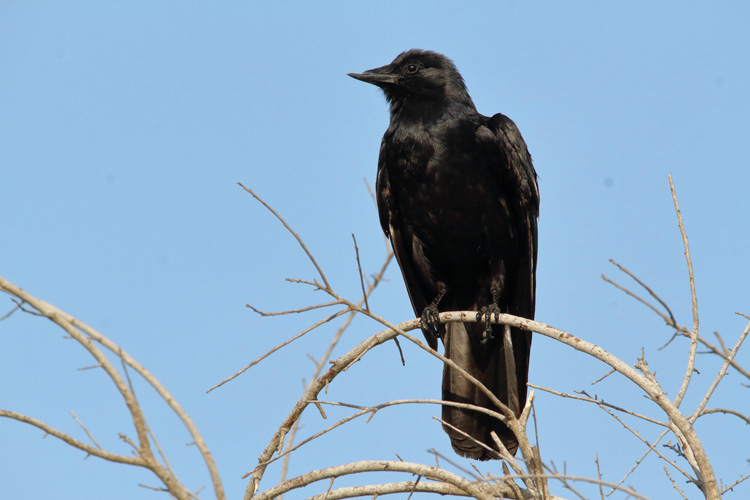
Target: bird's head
418,75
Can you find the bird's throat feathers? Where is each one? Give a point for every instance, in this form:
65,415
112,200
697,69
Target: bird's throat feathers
430,108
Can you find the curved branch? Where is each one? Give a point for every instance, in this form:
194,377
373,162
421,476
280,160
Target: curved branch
726,411
481,491
277,441
375,490
84,334
372,410
74,328
706,480
342,363
91,450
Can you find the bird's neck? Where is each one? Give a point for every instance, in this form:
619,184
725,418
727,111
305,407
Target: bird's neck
418,110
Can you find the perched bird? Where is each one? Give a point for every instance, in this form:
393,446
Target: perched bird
457,196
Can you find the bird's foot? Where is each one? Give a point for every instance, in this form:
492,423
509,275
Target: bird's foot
485,314
430,322
430,319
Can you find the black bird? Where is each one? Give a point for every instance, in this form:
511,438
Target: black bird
458,198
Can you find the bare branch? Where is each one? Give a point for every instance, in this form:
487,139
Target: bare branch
365,410
88,433
713,350
86,335
9,313
720,375
705,479
493,453
293,233
726,411
377,278
564,477
453,463
671,320
651,446
481,491
563,480
599,402
285,343
694,300
291,311
375,490
361,277
731,486
679,330
603,377
636,296
91,450
674,484
644,441
509,483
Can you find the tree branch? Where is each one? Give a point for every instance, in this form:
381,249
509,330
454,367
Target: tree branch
86,335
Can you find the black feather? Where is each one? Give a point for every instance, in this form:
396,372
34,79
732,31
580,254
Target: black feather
458,197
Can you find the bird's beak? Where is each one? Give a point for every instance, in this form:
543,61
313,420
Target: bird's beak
378,76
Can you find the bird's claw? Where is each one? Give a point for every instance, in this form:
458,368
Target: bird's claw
430,322
486,313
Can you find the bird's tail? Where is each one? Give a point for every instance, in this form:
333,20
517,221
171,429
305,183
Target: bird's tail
505,376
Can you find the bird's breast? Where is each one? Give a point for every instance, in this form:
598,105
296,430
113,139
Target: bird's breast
443,194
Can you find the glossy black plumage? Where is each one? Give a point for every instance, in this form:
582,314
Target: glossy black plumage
458,197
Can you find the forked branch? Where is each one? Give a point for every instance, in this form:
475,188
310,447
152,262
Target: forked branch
90,338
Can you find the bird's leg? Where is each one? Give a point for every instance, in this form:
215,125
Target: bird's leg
486,312
430,319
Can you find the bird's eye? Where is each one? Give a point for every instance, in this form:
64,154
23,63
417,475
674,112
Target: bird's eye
412,68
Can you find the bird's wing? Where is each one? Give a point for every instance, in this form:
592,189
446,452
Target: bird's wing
516,172
511,171
383,193
401,240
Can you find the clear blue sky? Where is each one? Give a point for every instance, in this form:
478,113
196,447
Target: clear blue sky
124,128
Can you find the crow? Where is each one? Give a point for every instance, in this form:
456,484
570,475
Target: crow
457,195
